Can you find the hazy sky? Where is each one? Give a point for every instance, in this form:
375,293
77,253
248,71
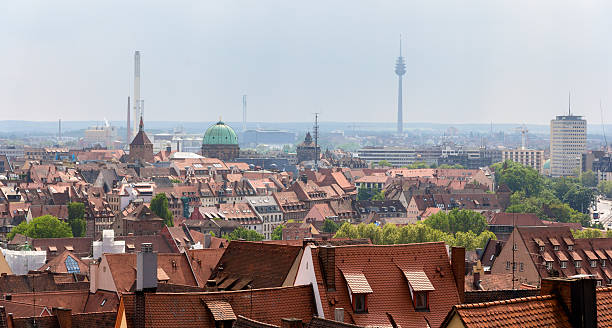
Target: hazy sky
508,61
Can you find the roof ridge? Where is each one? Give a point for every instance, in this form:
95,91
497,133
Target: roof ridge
392,245
504,302
225,291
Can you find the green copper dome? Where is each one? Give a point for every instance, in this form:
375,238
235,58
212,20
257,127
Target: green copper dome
220,134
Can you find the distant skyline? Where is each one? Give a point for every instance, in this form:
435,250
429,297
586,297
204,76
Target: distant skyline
467,62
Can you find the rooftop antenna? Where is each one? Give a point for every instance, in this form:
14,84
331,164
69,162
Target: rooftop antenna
569,103
603,130
400,70
316,137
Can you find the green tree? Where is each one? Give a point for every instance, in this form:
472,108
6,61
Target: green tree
605,188
329,226
518,177
159,206
45,226
244,234
367,193
385,163
76,219
347,230
588,179
277,233
458,220
579,198
588,233
390,234
466,239
379,195
483,238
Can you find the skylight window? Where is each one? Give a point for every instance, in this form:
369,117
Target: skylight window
71,265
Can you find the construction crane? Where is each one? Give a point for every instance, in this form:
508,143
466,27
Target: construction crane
523,131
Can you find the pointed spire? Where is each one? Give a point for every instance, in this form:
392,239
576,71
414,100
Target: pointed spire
141,125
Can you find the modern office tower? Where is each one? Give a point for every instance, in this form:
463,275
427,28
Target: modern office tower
567,143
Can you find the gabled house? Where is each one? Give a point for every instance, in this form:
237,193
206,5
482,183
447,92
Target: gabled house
534,253
413,285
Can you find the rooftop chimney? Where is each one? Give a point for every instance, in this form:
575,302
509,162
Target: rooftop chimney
211,285
64,317
291,323
578,296
207,240
476,283
146,271
458,267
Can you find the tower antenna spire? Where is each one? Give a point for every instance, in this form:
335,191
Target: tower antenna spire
400,70
400,45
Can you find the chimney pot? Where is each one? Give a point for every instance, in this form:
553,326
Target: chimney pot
146,270
211,285
339,314
291,323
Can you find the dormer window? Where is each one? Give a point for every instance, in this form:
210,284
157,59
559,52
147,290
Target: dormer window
541,248
420,287
549,265
603,263
358,288
577,264
570,247
556,247
563,264
593,263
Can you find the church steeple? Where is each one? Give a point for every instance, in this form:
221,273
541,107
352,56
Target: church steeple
141,125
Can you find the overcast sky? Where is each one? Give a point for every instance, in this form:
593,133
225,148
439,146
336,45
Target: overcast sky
468,61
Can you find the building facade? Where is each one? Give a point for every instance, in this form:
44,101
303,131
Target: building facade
567,144
307,150
527,157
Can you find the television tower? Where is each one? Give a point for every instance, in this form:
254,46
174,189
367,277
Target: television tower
137,103
400,70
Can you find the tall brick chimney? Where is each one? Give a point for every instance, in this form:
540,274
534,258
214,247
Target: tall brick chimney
64,317
458,267
578,295
327,258
146,268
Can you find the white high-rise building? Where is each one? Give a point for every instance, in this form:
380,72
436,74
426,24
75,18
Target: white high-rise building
567,143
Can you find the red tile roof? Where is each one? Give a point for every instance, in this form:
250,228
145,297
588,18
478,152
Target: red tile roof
260,264
175,266
58,264
203,262
188,310
536,311
390,290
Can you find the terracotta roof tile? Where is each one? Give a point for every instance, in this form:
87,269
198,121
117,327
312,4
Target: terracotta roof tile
187,310
356,281
264,264
220,310
418,281
391,294
537,311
